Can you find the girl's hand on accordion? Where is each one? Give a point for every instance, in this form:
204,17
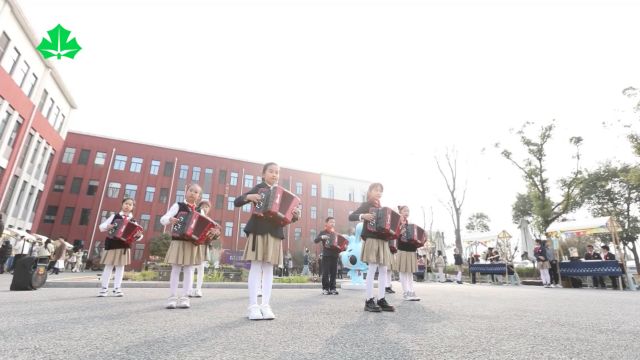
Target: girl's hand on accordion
254,198
368,217
213,233
297,213
111,226
173,220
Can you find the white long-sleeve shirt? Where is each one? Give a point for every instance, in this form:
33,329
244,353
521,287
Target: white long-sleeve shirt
105,224
172,212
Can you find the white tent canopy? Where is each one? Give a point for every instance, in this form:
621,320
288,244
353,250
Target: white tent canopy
597,225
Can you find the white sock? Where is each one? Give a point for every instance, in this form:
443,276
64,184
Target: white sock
459,276
118,279
403,282
188,279
267,282
382,279
253,281
371,273
389,277
174,279
106,276
200,276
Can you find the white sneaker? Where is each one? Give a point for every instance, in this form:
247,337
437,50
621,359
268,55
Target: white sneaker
255,313
184,303
118,293
406,296
559,286
197,293
267,314
414,297
172,302
104,292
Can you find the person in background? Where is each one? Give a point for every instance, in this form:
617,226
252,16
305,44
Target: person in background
598,281
606,255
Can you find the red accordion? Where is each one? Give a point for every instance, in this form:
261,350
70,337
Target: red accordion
277,204
386,223
336,241
414,235
193,226
124,230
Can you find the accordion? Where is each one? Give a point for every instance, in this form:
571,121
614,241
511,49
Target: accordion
193,226
414,235
386,223
276,204
336,242
124,230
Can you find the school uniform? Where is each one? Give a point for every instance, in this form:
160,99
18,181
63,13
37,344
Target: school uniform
375,248
116,252
181,252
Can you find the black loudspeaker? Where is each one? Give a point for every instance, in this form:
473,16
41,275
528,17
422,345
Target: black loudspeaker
30,273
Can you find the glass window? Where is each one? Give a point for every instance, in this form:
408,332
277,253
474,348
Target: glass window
242,233
92,189
113,190
219,201
148,196
84,157
222,177
130,190
233,181
58,185
168,168
164,195
246,207
298,234
67,216
84,216
313,233
157,225
67,158
330,212
230,201
144,221
120,162
30,85
299,188
139,251
184,170
195,175
136,165
314,213
76,184
314,190
155,167
180,196
100,158
50,214
248,181
228,228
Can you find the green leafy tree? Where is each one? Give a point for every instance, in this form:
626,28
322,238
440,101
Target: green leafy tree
478,222
159,245
615,191
59,44
534,171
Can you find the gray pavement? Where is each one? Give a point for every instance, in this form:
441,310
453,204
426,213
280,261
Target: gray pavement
452,321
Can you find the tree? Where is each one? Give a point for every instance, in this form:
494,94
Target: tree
533,168
615,191
159,245
454,206
478,222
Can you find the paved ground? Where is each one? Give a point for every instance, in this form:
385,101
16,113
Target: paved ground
452,321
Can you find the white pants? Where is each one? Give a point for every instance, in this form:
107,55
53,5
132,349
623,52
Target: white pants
406,279
544,275
175,279
260,271
106,276
200,279
382,280
441,277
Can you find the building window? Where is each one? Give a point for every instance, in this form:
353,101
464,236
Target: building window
14,57
139,252
331,192
76,184
30,85
222,177
148,195
61,123
155,167
104,215
21,74
157,225
219,201
164,195
58,185
228,228
83,159
136,165
92,189
180,196
208,175
84,216
130,191
313,234
4,44
25,150
144,221
248,181
230,201
67,216
233,180
242,233
330,212
120,162
314,190
286,184
195,174
14,133
67,158
53,116
50,214
205,196
298,234
258,179
184,170
23,188
5,120
114,190
246,207
314,212
100,158
299,188
168,168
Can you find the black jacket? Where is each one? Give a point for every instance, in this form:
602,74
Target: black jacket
355,216
325,250
259,225
594,256
457,259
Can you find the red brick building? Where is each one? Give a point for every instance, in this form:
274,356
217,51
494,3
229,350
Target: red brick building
95,173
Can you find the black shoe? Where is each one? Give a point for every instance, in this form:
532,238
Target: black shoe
333,292
384,305
389,290
370,305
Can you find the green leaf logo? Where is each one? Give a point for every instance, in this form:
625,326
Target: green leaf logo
60,45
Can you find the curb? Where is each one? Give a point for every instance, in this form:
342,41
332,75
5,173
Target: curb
165,284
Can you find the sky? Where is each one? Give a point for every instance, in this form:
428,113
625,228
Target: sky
373,90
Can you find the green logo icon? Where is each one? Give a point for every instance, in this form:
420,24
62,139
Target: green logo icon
60,45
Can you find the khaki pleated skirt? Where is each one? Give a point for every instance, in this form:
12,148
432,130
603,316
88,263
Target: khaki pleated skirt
407,261
394,262
543,265
376,251
204,250
183,253
268,249
116,257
